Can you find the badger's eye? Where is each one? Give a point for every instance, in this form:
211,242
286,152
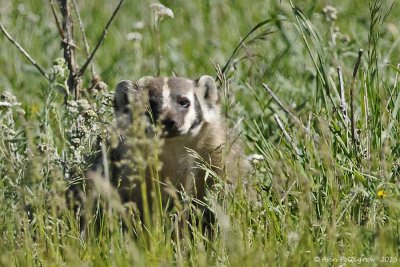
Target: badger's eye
184,102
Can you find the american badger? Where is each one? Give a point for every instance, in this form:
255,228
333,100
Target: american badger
189,114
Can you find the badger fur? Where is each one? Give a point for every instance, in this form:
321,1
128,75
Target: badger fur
188,113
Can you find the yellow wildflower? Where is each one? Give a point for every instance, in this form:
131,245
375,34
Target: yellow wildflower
381,193
34,108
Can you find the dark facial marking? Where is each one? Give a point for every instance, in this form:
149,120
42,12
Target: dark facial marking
155,102
199,114
174,116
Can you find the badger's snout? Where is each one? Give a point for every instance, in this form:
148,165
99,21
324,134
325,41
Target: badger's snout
169,124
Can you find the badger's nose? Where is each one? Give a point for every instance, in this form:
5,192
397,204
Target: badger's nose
168,124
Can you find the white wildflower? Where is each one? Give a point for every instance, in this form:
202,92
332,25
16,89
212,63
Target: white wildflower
8,100
59,69
161,11
134,36
138,25
101,86
255,158
330,13
5,104
72,106
83,104
72,103
7,97
76,141
20,111
90,114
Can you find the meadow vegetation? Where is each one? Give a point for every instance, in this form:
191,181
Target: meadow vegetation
313,88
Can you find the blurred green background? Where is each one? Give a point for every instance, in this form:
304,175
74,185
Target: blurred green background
202,32
318,191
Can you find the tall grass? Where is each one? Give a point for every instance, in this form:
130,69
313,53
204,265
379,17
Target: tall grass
320,195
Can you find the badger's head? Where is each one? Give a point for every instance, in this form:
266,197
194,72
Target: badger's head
181,106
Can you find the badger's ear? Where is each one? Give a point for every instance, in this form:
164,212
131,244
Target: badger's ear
143,82
207,90
127,92
123,95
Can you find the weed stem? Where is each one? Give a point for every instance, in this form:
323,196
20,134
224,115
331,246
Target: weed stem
103,35
353,83
286,110
23,51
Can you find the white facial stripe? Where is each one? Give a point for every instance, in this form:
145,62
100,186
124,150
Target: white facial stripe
194,131
190,115
166,92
